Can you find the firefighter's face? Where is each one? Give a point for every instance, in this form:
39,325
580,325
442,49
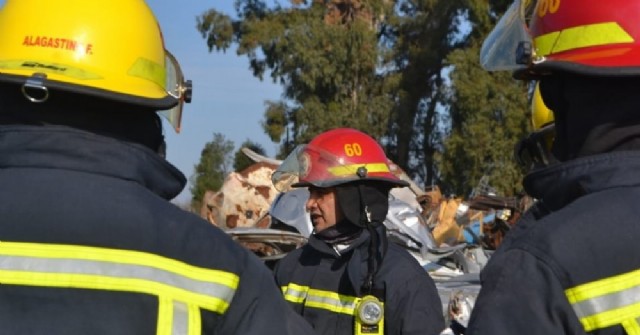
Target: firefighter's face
322,208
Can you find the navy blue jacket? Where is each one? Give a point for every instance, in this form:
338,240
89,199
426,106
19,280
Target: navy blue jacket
572,264
67,196
411,301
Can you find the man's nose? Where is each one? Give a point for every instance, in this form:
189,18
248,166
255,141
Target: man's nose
310,204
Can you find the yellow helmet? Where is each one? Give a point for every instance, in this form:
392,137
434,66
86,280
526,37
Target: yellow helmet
541,115
534,151
111,49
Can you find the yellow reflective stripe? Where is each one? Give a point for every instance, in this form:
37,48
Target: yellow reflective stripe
97,282
321,299
607,302
351,170
182,289
149,70
195,320
165,316
119,257
632,327
589,35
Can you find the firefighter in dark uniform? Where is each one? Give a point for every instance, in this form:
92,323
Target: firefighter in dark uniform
89,243
349,279
572,264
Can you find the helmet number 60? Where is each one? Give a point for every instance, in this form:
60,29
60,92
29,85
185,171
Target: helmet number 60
548,6
353,149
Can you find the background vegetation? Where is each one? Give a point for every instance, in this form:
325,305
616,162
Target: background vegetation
404,71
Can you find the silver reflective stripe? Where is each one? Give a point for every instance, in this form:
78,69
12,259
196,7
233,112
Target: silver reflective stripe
346,306
607,302
115,270
180,318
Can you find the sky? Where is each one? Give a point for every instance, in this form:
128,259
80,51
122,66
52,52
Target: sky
227,98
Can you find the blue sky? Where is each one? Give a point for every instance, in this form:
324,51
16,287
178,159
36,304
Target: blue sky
227,99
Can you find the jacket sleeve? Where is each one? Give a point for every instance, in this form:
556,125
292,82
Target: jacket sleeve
418,308
521,294
258,306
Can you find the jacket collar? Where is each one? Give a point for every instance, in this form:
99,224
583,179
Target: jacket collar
58,147
561,184
327,249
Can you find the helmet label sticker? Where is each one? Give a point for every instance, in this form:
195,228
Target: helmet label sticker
58,43
59,69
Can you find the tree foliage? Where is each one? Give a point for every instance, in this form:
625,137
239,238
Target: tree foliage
487,115
212,168
326,56
404,71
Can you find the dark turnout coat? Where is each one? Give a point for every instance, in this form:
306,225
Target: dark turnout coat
572,264
322,286
89,244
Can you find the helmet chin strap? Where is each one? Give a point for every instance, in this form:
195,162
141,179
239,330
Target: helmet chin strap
375,258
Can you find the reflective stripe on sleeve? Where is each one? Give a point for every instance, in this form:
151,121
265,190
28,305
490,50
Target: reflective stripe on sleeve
608,302
182,289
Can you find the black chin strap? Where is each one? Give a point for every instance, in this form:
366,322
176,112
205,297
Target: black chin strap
375,259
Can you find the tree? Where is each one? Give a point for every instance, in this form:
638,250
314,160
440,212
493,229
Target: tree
325,54
423,34
487,114
240,160
212,168
404,71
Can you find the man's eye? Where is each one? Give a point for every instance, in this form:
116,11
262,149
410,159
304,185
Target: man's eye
319,191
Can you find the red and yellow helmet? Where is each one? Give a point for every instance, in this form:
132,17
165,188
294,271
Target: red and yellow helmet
335,157
111,49
593,37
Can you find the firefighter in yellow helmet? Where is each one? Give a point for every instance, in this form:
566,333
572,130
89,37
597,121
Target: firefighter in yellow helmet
89,243
572,266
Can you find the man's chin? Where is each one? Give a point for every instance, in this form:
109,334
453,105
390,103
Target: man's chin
319,227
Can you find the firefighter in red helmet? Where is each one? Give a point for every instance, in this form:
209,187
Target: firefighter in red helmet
572,266
349,279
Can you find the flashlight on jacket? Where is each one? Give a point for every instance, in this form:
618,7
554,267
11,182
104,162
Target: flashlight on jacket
369,316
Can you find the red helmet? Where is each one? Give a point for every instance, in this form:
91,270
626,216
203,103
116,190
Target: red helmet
335,157
591,37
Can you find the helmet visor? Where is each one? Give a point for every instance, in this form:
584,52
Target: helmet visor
289,171
178,88
509,43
